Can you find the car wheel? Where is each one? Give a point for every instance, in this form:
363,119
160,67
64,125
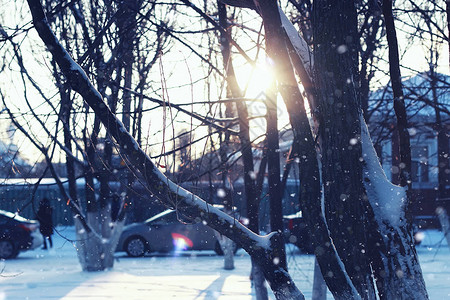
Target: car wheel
219,250
135,246
7,249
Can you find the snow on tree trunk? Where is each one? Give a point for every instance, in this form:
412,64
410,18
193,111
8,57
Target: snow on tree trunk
227,246
96,252
299,45
258,281
319,286
228,254
393,255
443,219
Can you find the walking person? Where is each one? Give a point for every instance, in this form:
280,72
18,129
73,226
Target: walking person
44,215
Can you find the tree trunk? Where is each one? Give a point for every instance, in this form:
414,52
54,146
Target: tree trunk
445,224
369,34
66,107
126,24
399,102
394,260
258,281
273,168
252,198
228,254
96,252
335,276
273,153
334,25
227,246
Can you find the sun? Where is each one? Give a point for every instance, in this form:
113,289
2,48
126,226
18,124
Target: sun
255,80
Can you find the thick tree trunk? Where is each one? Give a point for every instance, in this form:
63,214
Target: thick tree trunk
228,254
334,274
258,281
96,252
227,246
334,25
394,258
336,278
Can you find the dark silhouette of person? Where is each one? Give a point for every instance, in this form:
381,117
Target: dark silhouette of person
44,216
115,207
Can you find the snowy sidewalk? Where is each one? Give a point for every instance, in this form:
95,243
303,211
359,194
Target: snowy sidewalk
200,276
56,274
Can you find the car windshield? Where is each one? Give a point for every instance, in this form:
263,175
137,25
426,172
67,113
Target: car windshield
167,217
158,216
13,216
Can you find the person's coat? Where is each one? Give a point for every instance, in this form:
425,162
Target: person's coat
44,216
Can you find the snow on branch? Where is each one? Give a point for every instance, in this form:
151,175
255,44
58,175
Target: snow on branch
301,47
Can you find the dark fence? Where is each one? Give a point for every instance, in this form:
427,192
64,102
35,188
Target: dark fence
16,196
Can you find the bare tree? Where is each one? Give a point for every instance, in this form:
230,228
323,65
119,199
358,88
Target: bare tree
164,189
345,196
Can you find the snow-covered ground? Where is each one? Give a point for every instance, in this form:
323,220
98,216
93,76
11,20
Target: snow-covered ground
56,274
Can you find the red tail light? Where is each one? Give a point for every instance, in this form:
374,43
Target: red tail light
28,227
291,224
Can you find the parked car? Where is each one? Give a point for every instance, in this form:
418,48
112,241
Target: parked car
295,232
17,234
165,232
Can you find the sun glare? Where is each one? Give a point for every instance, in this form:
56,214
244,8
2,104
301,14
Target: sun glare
255,80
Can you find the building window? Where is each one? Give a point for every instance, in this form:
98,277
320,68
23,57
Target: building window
419,164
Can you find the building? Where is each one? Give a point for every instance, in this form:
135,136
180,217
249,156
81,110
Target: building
427,100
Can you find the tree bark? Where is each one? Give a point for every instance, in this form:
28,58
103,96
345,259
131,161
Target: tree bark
399,102
394,260
335,49
335,276
273,168
252,198
445,224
